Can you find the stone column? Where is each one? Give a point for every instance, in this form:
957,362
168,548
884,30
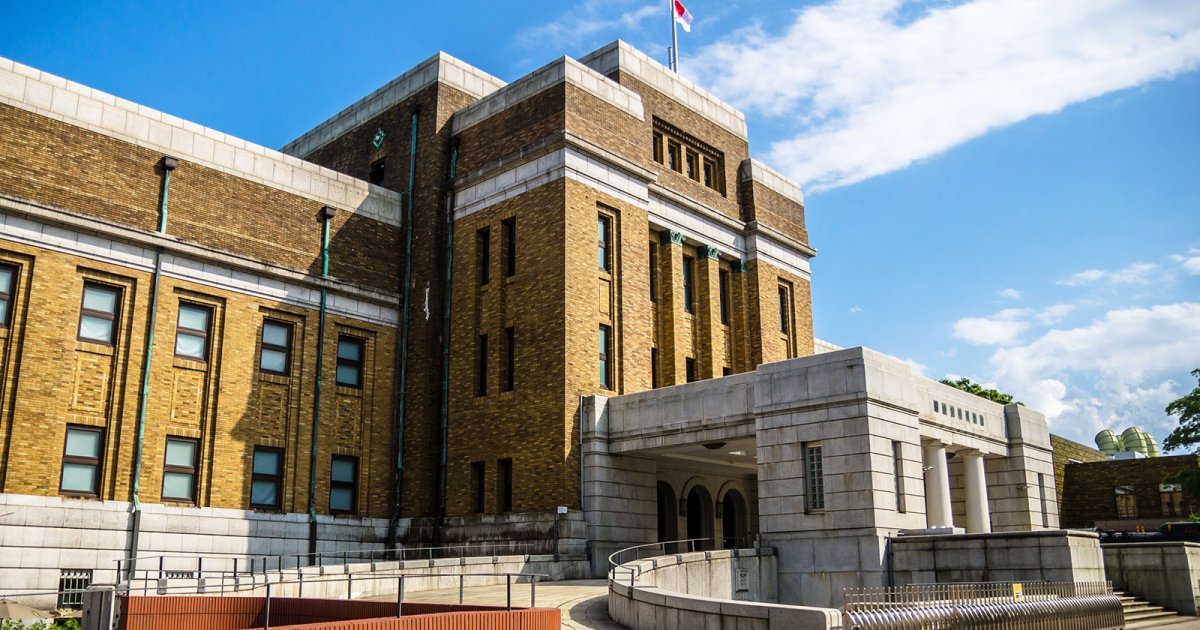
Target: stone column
979,521
937,487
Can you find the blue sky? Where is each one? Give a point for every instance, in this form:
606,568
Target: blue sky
1000,189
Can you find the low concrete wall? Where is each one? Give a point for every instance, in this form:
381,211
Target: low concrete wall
1165,573
1050,555
708,589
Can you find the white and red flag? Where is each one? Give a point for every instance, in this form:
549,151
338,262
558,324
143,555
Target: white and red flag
682,16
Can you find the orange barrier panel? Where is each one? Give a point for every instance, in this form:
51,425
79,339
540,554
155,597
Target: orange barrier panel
523,619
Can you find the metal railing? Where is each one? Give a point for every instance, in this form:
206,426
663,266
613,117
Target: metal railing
999,605
686,545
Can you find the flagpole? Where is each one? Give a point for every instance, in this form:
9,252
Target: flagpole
674,57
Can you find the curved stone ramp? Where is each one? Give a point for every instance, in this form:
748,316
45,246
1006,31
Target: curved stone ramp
584,603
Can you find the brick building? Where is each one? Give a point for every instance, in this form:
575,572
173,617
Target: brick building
428,284
1126,494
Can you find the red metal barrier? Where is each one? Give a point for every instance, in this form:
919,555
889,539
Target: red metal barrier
290,613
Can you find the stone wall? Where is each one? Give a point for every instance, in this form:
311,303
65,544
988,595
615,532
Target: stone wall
1066,453
1166,573
1050,556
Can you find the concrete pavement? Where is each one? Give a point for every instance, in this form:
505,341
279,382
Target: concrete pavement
584,603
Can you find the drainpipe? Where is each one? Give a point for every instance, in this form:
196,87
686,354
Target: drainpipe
168,166
450,200
325,215
401,393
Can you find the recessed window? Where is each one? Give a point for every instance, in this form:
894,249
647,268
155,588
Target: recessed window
1126,502
375,174
692,171
343,485
689,292
508,373
653,368
653,272
510,247
477,477
267,478
179,470
673,161
710,173
814,472
81,461
723,288
604,238
98,315
8,275
683,153
275,355
689,367
71,584
483,255
1171,496
481,366
725,371
605,352
898,474
504,469
658,147
350,353
191,331
784,310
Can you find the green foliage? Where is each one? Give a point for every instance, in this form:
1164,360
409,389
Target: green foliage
17,624
993,395
66,624
1187,434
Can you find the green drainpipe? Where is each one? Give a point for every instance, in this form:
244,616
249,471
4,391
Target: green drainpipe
325,215
168,165
446,329
402,388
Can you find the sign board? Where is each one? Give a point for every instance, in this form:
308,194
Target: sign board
1018,593
743,580
377,141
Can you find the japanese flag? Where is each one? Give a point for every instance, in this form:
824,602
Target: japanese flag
682,16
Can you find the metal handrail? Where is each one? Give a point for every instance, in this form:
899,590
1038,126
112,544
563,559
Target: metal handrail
615,565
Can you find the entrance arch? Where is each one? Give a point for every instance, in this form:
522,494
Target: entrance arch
733,520
668,513
700,516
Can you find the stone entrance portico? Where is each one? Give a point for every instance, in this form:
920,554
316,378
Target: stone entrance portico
836,453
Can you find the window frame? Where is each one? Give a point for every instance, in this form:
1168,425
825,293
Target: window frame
654,368
483,255
96,462
604,235
508,373
723,294
509,234
481,366
689,281
6,297
285,349
175,468
785,324
205,335
377,170
814,478
653,271
114,318
276,478
1126,501
351,485
689,369
605,372
359,364
504,482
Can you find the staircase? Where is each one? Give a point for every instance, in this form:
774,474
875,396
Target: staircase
1142,614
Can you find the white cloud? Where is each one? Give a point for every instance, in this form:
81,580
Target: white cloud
1011,294
1001,328
872,92
917,368
1054,313
588,19
1137,273
855,309
1190,263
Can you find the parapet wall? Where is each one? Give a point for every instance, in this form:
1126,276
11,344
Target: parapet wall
708,589
1165,573
1049,555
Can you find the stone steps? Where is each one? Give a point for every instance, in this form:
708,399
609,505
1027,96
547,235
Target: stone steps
1143,614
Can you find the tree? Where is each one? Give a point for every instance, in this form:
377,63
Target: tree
993,395
1187,434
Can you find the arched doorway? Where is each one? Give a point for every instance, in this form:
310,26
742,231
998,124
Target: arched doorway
668,513
700,516
733,520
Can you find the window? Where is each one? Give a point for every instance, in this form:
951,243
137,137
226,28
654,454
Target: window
8,275
689,366
688,155
276,353
725,371
71,584
508,373
898,474
1042,497
375,176
1172,499
784,311
191,331
477,476
1126,502
814,479
350,361
483,252
98,315
81,461
692,171
179,470
605,351
343,484
658,147
481,367
710,173
505,481
266,478
653,272
653,368
688,289
723,288
673,149
603,238
510,247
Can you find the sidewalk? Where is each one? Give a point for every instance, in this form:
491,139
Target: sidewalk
584,603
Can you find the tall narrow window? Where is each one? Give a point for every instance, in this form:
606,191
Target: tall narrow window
1171,496
98,315
658,147
673,161
898,474
689,294
81,461
481,365
477,476
605,351
483,255
266,479
814,477
350,353
689,366
274,357
375,175
604,238
653,272
191,332
710,169
8,276
179,470
510,247
508,373
1126,502
343,484
505,482
653,368
723,288
692,171
1042,496
784,311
